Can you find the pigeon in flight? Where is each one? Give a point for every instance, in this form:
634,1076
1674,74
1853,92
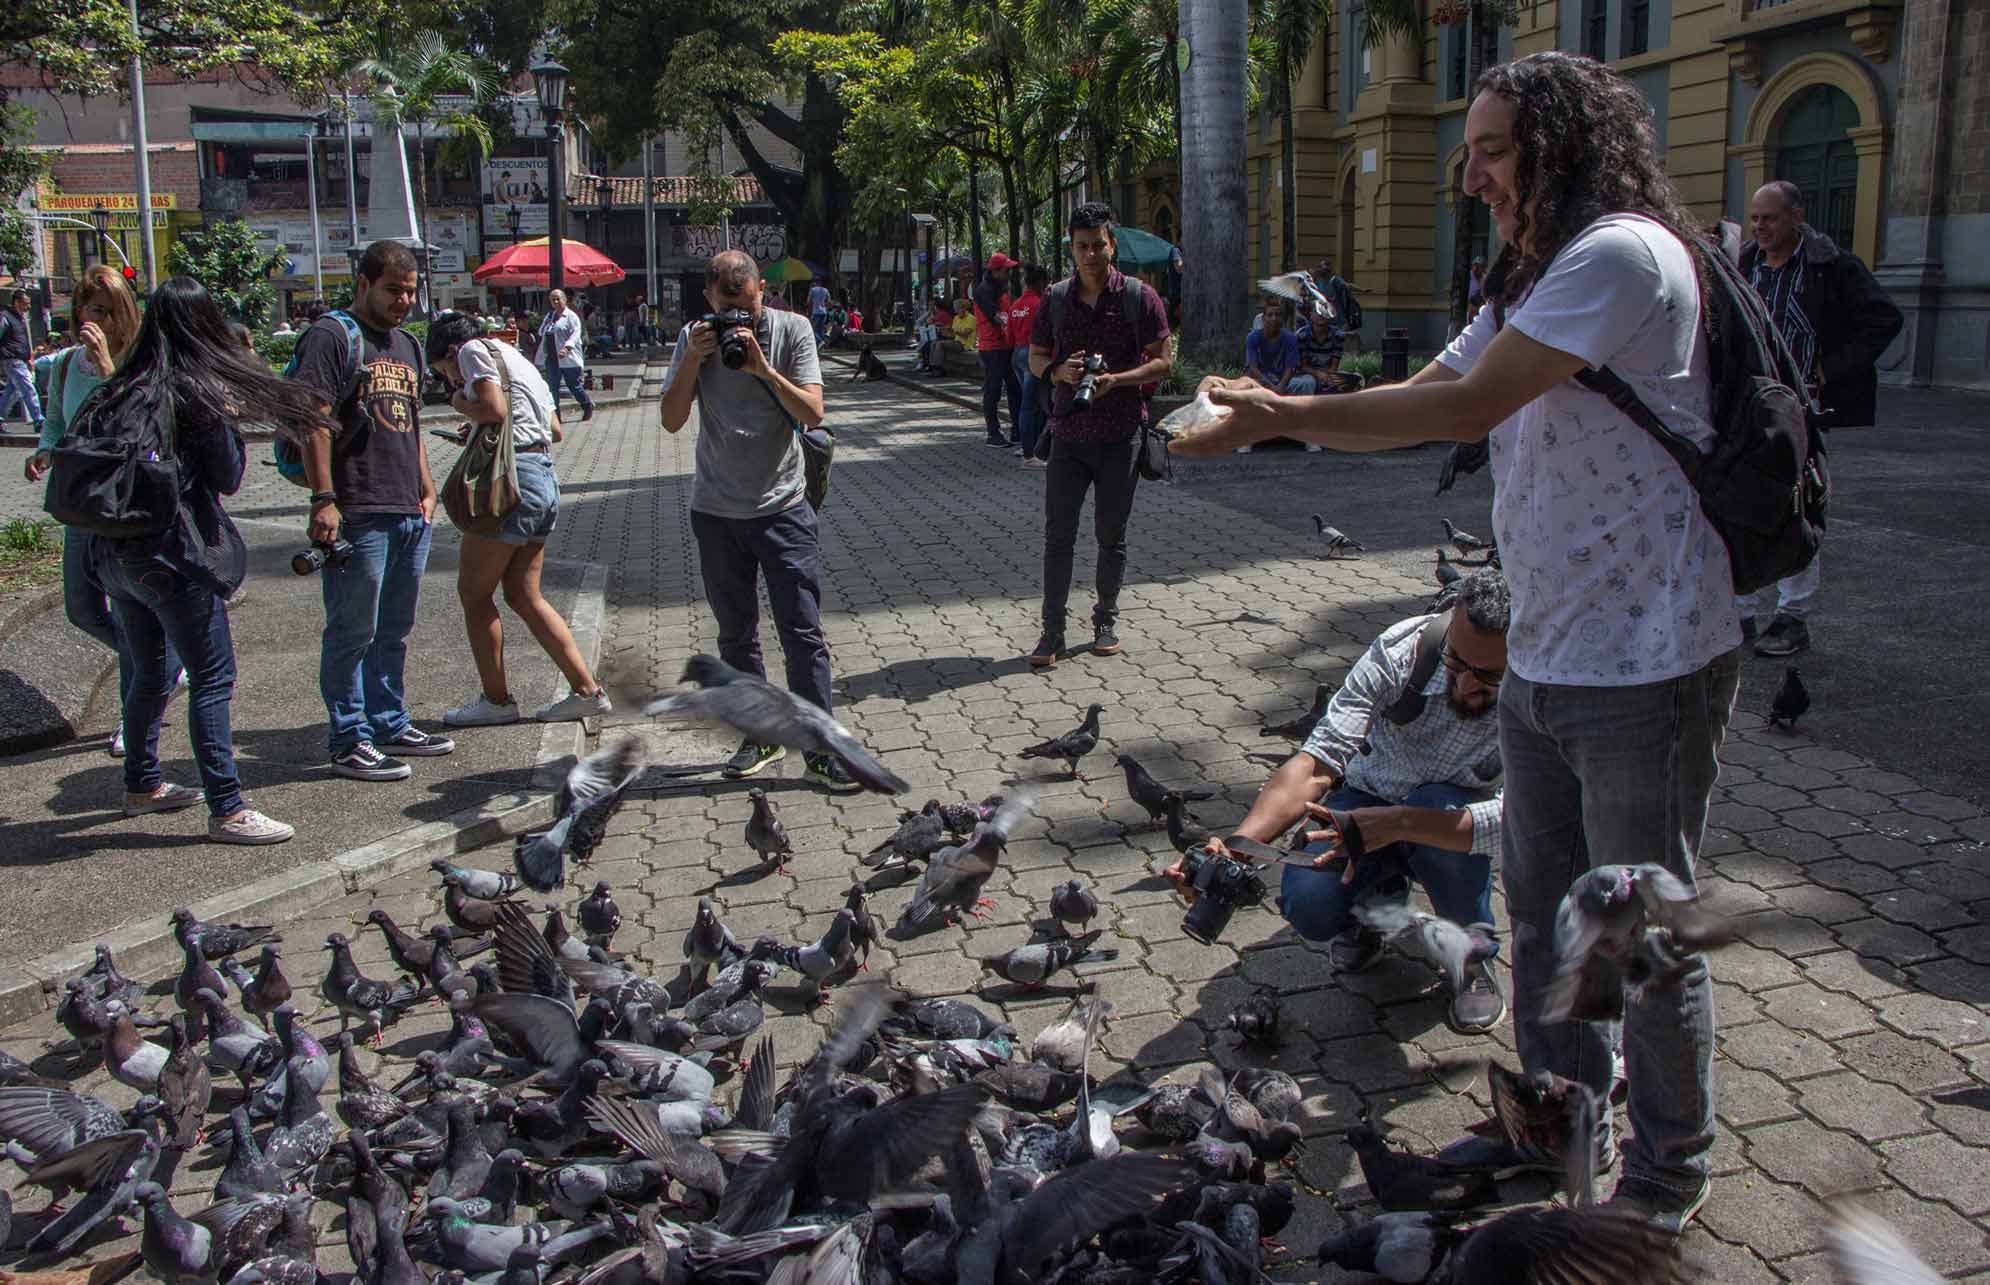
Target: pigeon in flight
1300,288
1338,541
767,715
1599,933
1453,950
591,795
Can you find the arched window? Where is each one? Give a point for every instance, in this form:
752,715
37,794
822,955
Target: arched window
1815,152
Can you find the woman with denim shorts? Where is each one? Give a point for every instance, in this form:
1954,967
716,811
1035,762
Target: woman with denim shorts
511,559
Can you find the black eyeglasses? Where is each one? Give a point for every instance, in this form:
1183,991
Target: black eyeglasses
1489,677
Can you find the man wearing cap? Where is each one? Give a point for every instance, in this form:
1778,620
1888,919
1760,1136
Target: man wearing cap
991,335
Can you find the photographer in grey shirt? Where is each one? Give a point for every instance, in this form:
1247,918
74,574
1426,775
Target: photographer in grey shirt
749,507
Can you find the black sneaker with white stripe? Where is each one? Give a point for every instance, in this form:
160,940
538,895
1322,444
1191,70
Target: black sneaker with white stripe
416,743
364,763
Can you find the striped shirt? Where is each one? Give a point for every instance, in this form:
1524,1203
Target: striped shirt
1372,754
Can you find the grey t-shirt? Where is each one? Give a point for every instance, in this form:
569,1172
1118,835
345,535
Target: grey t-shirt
749,463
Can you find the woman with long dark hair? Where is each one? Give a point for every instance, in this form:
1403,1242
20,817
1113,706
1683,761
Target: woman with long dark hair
103,315
169,592
493,383
1623,652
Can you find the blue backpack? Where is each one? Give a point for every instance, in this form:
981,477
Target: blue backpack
289,460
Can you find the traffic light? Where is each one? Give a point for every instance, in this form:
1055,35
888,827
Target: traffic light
130,273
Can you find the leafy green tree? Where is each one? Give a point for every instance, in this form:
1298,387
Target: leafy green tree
411,84
20,170
224,257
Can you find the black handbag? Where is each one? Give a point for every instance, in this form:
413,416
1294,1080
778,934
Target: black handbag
115,479
1152,459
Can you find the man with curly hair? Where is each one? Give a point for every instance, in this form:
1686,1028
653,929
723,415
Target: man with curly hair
1623,649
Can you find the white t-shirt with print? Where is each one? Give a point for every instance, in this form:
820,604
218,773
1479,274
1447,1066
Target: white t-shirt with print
531,399
1617,577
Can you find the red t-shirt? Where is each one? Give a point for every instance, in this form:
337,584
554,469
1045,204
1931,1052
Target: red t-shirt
942,316
991,334
1022,314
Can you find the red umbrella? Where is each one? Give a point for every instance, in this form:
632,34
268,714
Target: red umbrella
524,264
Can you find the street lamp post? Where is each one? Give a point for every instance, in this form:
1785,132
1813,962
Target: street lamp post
511,216
100,219
549,78
604,190
311,181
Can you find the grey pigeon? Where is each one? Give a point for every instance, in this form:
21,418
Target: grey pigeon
1464,541
961,818
1298,729
412,955
356,995
1065,1043
591,794
599,916
466,1162
103,981
544,1030
1399,1180
301,1140
945,1019
1238,1120
1072,745
363,1104
132,1060
1073,903
1600,925
1453,950
41,1123
1447,573
953,880
107,1170
192,1251
1149,793
1255,1019
1036,963
485,885
233,1046
918,836
826,957
1599,1243
1338,542
1017,1224
767,715
707,941
1273,1092
1176,1112
471,1246
765,834
267,1102
761,962
864,930
268,990
185,1089
1184,834
1402,1247
196,974
730,1026
248,1170
84,1014
470,913
1790,701
219,940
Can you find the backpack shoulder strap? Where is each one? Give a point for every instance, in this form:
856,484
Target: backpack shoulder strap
1053,308
1132,301
62,373
1408,707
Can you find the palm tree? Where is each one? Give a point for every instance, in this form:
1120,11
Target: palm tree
1288,29
411,86
1215,96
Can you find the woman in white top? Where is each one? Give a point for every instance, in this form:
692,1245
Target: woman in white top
470,364
1623,653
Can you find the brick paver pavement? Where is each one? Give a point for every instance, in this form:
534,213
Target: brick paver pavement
1854,997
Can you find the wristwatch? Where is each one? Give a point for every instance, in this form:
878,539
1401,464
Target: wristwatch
324,497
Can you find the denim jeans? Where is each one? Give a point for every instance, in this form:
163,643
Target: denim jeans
19,379
169,620
998,375
1317,904
571,376
732,554
1029,415
369,611
1616,776
88,608
1107,470
1302,386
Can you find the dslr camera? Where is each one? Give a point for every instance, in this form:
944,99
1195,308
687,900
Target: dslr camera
1221,884
729,327
1088,383
321,555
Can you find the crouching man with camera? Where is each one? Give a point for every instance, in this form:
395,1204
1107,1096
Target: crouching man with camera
753,375
1400,778
1098,336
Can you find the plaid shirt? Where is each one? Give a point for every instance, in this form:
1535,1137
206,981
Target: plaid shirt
1375,756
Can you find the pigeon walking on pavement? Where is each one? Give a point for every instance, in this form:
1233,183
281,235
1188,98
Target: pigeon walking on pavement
1255,1019
918,836
768,715
1447,571
219,940
356,995
1149,793
591,794
954,878
485,885
864,930
707,942
1790,701
827,956
1298,729
600,916
765,834
1073,903
1036,963
1338,541
1400,1180
1464,541
1072,745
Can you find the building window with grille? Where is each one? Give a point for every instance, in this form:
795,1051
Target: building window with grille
1596,29
1637,27
1357,28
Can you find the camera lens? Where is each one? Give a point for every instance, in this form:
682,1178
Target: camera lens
732,352
308,561
1206,919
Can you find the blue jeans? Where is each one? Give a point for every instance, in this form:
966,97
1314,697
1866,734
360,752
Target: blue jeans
19,390
571,376
1616,776
168,619
1029,415
733,553
88,608
369,611
1317,904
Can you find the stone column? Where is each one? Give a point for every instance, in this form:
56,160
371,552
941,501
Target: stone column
1911,266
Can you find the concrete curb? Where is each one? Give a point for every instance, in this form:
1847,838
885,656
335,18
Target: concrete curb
67,678
29,608
148,950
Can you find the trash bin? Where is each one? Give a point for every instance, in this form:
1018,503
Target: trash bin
1395,355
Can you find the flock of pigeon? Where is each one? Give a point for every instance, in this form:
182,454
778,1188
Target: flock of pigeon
570,1125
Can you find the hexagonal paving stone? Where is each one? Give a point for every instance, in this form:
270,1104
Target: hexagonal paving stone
1778,1051
1914,1065
1855,1104
1770,1219
1805,1153
1824,1013
1937,1167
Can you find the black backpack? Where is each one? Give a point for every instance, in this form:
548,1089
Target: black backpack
1764,485
115,474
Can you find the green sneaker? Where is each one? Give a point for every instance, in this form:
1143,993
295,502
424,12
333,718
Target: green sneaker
750,759
826,770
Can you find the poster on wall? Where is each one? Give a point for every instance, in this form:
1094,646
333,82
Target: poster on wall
449,234
766,242
521,181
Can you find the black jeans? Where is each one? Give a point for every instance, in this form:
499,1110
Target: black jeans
997,373
732,552
1106,468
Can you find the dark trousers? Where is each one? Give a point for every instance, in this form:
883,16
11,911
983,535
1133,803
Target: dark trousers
1107,469
998,372
556,374
732,552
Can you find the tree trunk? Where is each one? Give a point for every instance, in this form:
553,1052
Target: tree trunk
1030,244
1015,214
1287,174
1215,300
1175,94
974,212
1056,210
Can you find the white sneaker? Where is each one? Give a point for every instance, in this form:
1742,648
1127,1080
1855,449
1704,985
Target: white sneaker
167,798
482,712
248,827
179,686
116,749
575,707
